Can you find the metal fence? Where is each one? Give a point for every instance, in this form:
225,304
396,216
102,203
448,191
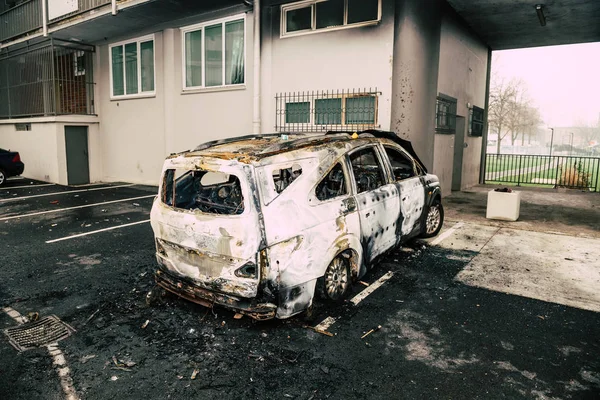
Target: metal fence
27,17
51,78
324,110
536,170
23,18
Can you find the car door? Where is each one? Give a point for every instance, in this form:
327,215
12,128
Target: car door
410,186
377,201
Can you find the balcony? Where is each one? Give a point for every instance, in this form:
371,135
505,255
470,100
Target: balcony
26,17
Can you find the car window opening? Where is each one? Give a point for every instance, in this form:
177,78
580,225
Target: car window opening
208,191
283,177
402,166
332,185
367,171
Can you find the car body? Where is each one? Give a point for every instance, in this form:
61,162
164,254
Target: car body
259,224
10,165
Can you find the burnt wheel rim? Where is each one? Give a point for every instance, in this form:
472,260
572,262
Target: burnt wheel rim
433,219
336,279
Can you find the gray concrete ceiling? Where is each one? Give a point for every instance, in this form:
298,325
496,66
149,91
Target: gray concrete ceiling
511,24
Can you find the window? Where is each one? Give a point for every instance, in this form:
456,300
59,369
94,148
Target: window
132,67
332,185
367,170
283,177
445,114
297,112
402,166
476,121
319,15
214,53
79,63
208,191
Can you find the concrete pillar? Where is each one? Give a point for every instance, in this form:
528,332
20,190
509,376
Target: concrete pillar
415,73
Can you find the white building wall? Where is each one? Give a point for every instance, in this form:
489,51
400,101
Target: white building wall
43,149
352,58
462,75
138,133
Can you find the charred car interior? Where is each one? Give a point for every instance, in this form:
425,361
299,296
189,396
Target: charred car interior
265,224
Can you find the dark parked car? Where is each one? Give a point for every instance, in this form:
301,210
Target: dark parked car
10,165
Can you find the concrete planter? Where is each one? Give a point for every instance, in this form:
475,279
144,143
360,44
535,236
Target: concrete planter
503,206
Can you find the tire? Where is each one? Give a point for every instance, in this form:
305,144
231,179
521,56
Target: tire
2,178
334,285
433,219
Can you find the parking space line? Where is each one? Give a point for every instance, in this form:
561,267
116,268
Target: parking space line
447,233
58,358
97,231
27,186
67,192
74,208
372,287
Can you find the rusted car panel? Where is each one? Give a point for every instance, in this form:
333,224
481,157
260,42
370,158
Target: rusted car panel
254,224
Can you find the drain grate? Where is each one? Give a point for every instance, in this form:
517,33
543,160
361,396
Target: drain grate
39,333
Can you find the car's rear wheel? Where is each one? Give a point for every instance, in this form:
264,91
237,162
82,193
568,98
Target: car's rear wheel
335,283
433,220
2,178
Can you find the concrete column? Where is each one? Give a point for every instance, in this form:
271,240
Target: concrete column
415,73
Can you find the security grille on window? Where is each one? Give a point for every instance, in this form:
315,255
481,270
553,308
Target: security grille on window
214,53
476,121
132,67
317,15
323,110
445,113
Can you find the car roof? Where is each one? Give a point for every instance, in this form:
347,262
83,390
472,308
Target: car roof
254,148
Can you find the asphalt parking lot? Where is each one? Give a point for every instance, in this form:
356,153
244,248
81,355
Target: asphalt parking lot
439,328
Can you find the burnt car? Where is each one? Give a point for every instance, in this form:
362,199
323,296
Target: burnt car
10,165
262,224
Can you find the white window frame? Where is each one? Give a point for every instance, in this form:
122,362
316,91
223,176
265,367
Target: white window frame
139,94
312,4
202,26
312,104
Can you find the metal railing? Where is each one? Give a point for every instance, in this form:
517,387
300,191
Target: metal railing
555,171
325,110
27,17
83,6
52,78
21,19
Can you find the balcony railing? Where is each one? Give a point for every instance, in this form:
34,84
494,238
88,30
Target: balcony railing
21,19
51,78
27,17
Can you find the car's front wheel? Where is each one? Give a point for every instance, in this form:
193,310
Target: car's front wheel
335,283
2,178
433,220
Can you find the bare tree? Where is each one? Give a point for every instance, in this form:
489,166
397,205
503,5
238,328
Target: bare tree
510,111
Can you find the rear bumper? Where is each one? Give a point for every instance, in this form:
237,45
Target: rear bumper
15,169
186,289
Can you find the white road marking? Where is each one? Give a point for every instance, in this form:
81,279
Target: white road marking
97,231
14,314
27,186
66,192
74,208
325,324
64,372
372,287
58,359
447,233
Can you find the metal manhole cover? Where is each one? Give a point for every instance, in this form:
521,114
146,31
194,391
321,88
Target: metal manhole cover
38,333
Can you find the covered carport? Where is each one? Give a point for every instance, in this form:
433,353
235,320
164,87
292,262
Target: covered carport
515,24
